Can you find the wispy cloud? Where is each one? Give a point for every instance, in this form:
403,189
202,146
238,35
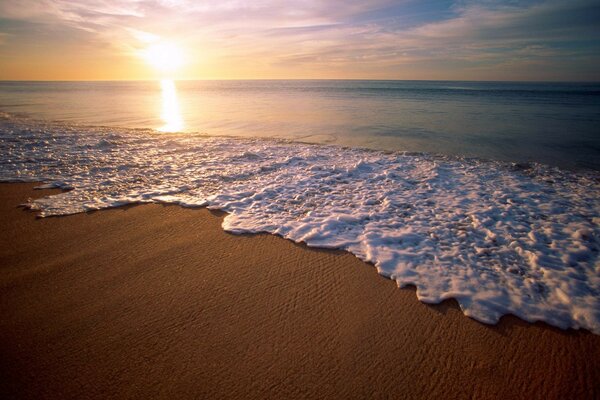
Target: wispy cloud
370,38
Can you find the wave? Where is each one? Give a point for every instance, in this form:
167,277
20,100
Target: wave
499,238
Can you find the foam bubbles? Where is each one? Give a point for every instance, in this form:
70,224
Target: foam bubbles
499,238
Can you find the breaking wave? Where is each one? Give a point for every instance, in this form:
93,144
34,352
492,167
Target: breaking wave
499,238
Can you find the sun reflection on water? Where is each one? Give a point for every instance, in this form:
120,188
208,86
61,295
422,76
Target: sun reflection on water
170,113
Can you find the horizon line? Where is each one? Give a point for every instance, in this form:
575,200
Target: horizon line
303,79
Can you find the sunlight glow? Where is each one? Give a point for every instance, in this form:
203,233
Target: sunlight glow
164,56
170,114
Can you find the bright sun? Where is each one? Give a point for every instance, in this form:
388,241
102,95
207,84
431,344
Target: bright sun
164,56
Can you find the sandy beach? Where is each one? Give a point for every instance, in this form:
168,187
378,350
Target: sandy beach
158,301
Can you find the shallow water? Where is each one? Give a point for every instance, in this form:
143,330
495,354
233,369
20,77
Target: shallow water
555,124
498,237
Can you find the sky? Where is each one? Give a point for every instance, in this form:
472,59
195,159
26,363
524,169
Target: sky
309,39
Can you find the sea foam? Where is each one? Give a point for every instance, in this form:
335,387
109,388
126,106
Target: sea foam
499,238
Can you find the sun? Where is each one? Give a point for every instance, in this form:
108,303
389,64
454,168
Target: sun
164,56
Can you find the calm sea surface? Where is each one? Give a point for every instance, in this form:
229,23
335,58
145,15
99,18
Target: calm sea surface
551,123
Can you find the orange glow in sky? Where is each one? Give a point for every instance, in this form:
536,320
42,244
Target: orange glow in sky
271,39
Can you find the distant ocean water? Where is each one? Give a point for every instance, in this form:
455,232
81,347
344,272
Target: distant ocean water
499,235
551,123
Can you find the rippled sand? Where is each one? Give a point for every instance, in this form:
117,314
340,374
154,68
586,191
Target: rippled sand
157,301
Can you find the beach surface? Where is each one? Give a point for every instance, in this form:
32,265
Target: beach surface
157,301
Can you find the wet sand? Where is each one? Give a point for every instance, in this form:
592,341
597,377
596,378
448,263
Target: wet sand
157,301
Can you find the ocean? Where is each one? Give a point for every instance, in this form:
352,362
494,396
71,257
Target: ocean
488,193
551,123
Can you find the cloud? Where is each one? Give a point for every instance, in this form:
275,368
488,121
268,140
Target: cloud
380,35
478,34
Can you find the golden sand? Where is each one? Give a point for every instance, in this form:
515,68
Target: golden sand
157,301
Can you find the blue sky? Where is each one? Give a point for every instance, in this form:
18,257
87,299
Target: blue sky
440,39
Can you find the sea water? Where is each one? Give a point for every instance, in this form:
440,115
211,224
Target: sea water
551,123
487,193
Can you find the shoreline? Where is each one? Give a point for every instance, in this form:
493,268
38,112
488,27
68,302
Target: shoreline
158,301
452,302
